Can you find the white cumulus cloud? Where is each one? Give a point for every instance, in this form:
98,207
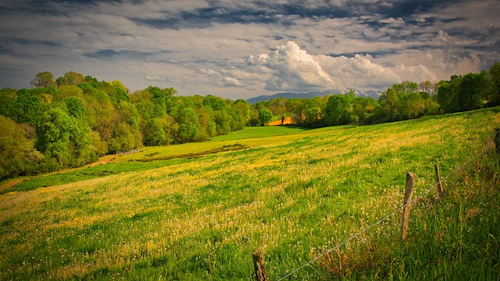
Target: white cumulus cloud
232,82
291,68
362,72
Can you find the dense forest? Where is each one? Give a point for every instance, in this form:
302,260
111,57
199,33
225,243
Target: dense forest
74,119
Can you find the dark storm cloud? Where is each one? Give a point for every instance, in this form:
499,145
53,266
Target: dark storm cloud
267,12
111,54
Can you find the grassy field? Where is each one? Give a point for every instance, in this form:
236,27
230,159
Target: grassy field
290,192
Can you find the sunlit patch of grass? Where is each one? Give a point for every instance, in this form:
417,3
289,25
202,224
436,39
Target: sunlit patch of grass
289,195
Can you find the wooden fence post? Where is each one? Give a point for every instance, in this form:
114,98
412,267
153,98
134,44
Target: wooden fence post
258,263
410,178
438,181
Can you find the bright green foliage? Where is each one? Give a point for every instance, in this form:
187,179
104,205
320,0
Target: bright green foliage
98,146
84,118
159,100
76,106
242,107
265,115
412,105
188,125
158,132
214,102
222,122
27,108
70,91
54,134
16,150
163,100
389,101
125,133
64,138
338,110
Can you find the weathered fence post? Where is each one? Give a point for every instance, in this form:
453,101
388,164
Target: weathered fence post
410,178
438,181
258,263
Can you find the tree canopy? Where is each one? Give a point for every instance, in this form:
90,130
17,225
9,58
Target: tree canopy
77,118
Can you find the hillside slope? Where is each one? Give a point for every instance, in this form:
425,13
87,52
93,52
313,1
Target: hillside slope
293,196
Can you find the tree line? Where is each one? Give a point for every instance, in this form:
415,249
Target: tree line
74,119
403,101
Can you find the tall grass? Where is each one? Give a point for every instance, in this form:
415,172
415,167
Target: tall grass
293,196
451,238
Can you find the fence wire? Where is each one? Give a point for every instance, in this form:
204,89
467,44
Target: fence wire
431,187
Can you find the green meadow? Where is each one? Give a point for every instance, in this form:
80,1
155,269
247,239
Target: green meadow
198,211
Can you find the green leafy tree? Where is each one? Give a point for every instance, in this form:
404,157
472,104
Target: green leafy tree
494,97
447,95
254,118
163,100
265,115
27,108
43,80
54,134
125,128
70,91
76,107
222,122
389,102
407,87
17,152
338,110
244,110
70,78
278,106
364,108
214,102
7,98
296,106
158,132
313,116
206,123
98,146
474,91
119,92
412,105
188,125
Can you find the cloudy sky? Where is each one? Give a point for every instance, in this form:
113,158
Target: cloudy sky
241,49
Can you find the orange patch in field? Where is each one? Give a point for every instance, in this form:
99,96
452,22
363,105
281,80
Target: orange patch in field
287,121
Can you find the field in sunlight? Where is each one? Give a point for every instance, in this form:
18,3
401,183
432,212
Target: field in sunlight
290,192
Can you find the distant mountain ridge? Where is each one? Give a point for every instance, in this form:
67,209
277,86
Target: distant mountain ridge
308,95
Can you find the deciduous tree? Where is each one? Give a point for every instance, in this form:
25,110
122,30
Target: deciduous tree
265,115
43,79
17,151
